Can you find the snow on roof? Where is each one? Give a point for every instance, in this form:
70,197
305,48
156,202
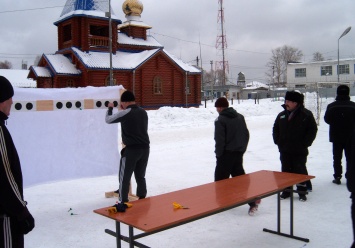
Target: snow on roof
330,61
182,64
100,60
61,64
255,85
120,60
41,71
150,42
134,23
18,78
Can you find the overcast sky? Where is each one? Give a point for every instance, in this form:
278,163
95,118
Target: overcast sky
253,28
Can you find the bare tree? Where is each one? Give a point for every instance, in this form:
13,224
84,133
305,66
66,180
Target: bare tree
219,77
213,77
317,56
208,77
37,59
5,65
278,62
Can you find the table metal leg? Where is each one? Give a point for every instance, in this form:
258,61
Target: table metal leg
278,232
118,234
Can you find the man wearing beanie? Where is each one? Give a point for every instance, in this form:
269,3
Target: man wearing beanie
15,219
231,136
134,129
340,115
293,132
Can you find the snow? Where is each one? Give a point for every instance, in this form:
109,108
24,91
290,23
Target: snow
18,78
182,155
149,42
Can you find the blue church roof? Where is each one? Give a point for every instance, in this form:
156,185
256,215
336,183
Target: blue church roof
72,5
96,8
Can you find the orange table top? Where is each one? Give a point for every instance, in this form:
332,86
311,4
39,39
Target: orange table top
157,212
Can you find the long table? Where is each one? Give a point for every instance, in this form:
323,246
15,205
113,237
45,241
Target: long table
155,214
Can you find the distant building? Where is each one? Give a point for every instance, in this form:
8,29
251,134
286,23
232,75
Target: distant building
139,62
305,75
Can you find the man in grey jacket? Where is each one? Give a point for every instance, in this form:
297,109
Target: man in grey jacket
231,136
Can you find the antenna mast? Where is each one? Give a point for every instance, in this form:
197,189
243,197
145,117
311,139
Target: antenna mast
221,44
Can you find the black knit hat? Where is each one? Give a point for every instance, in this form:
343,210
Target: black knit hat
294,96
6,89
221,102
343,90
127,96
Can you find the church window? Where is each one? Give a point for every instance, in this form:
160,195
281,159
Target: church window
157,85
70,83
67,33
107,80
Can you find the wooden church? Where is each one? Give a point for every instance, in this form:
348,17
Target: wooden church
139,62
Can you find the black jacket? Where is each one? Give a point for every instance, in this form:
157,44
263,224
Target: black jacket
340,115
11,185
296,135
231,132
134,125
350,173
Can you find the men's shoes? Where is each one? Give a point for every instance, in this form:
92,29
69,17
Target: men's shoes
284,195
303,198
337,180
253,210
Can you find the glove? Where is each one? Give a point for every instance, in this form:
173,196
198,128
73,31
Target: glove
27,224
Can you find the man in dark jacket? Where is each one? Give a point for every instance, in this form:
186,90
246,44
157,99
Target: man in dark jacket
294,131
231,136
15,219
134,128
340,115
350,181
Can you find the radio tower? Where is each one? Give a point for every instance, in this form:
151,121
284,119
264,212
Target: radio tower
221,44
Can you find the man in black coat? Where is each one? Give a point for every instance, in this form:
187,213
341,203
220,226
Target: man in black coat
340,115
15,219
294,131
350,182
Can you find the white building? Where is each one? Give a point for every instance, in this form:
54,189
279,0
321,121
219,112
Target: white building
304,75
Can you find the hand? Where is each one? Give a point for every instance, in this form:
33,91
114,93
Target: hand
110,105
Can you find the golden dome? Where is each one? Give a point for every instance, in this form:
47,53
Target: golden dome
132,7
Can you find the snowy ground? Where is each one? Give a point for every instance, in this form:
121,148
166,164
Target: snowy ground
182,155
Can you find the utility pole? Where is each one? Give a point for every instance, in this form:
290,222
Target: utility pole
110,41
212,81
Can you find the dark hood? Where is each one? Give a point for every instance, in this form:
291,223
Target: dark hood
229,112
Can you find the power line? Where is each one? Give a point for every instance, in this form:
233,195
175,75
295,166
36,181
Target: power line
23,10
198,43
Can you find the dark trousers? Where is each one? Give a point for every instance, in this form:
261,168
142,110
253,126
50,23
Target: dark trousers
338,148
230,164
10,233
134,161
295,163
353,217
